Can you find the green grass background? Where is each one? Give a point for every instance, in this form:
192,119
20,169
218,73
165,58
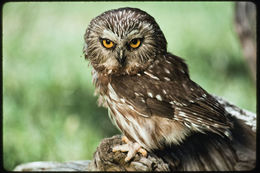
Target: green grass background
49,111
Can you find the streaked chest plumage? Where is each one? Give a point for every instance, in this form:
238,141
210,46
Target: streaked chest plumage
151,132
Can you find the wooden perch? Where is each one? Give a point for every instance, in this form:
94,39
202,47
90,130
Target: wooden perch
222,156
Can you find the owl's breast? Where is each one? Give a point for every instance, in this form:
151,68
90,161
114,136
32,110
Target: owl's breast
137,128
151,132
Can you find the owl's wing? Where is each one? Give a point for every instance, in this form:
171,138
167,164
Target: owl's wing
198,109
174,97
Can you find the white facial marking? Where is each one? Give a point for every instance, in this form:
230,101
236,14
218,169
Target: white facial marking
110,35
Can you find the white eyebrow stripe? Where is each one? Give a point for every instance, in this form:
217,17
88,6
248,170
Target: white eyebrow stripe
110,35
135,31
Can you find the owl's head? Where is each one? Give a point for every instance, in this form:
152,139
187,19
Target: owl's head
123,41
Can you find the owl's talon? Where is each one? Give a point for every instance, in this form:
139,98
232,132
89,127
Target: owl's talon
125,139
123,148
131,148
143,152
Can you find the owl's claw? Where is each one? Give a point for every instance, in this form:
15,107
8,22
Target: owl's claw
125,139
131,147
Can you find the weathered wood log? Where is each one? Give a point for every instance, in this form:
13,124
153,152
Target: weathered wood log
222,155
82,165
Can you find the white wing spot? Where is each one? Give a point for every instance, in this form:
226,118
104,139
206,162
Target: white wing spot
131,107
158,97
164,92
150,94
151,75
171,102
122,100
167,71
195,125
138,74
186,119
204,95
143,100
167,79
186,124
182,114
199,121
167,61
137,94
216,125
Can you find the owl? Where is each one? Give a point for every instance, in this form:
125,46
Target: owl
147,90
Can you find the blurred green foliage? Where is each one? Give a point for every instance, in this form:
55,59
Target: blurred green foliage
49,111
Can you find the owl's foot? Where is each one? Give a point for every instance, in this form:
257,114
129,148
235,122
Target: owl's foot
131,147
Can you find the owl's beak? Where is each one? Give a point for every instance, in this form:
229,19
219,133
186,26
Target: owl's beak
121,57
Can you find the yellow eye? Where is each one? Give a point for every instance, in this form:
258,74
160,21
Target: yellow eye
107,43
135,43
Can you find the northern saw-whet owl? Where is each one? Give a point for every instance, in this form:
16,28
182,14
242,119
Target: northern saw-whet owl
147,90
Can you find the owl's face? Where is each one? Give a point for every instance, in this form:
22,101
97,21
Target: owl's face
123,41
